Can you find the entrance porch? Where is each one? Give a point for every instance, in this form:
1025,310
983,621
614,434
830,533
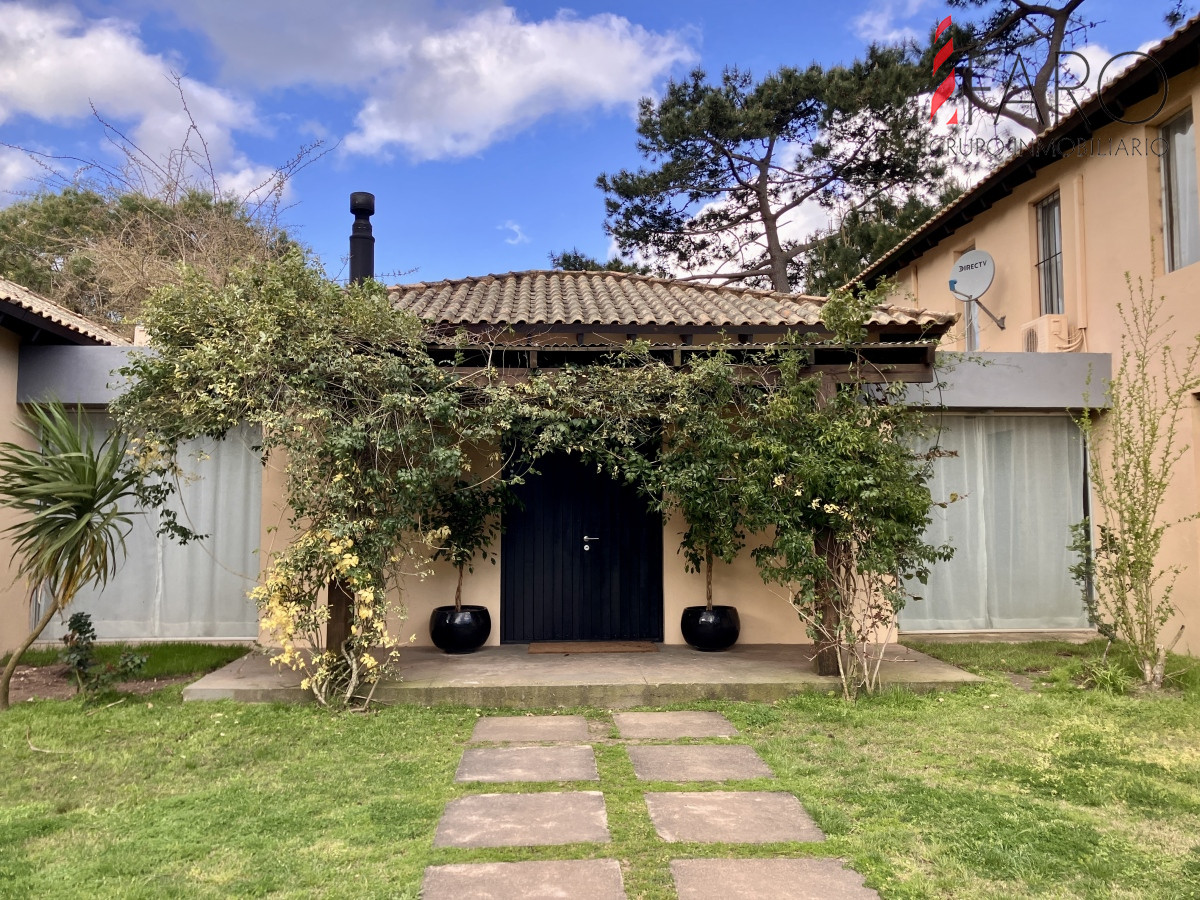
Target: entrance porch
510,676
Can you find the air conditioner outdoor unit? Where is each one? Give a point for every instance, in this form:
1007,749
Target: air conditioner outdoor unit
1046,334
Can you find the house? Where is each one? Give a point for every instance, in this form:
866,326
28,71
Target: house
28,322
583,559
1110,191
626,581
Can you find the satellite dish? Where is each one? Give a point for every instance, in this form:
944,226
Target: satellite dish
972,274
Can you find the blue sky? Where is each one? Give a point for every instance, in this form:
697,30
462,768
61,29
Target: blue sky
480,126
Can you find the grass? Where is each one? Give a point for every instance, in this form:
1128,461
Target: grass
991,792
163,660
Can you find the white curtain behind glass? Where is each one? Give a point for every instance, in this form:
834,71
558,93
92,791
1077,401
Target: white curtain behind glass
1182,199
1022,477
164,590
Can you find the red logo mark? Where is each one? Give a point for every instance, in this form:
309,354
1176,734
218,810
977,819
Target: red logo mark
945,90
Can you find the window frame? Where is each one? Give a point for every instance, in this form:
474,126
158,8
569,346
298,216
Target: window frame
1172,200
1048,247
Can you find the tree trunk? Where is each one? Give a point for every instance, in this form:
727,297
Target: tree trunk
708,578
775,254
6,678
827,648
458,590
337,629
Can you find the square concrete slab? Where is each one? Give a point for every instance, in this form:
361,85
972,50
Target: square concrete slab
586,879
671,725
499,764
523,820
697,763
733,817
767,879
531,728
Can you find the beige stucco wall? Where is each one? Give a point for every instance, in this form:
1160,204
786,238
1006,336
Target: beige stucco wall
14,593
1112,225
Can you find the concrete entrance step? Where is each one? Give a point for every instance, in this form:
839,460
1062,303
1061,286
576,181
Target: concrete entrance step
508,676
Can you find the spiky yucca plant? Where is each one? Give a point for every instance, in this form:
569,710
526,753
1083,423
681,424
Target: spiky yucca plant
72,531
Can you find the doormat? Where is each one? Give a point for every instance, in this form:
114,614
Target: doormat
594,647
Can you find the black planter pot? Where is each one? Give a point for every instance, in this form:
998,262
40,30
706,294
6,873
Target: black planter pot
711,629
460,630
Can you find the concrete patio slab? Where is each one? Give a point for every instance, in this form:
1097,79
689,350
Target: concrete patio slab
697,763
523,820
584,879
731,817
508,676
506,764
671,726
530,728
767,879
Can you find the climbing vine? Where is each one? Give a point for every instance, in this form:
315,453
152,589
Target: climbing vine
392,460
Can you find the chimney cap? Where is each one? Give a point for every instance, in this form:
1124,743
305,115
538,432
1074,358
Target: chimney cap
362,203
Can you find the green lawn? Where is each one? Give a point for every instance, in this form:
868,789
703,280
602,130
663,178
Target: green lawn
163,660
991,791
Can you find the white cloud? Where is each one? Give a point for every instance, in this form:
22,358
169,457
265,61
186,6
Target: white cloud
55,66
518,236
438,79
456,91
283,43
890,21
17,172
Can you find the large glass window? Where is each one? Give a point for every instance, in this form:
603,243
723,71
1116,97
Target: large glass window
163,589
1020,483
1049,254
1181,206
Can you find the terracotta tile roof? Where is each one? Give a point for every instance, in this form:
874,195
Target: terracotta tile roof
50,311
624,300
1172,55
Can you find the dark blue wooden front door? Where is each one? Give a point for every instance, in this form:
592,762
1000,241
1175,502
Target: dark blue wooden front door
581,561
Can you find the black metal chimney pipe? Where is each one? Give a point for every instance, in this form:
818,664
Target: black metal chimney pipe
362,241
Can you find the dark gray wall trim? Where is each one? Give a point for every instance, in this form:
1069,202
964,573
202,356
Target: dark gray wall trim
71,374
1017,381
981,381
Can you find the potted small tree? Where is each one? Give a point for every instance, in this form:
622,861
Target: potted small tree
701,475
469,515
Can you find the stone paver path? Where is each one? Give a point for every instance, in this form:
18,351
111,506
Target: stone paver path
670,726
545,819
523,820
669,762
582,879
531,728
767,879
501,764
731,817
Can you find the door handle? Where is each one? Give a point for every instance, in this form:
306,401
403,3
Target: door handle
586,538
587,542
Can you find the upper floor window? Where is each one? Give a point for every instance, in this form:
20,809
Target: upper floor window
1181,206
1049,254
